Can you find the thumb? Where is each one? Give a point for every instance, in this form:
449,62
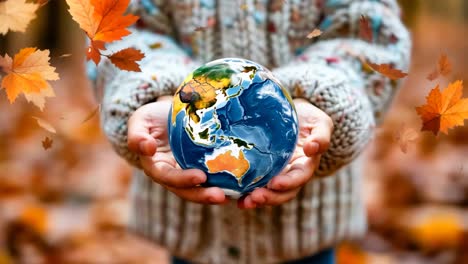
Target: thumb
319,139
139,139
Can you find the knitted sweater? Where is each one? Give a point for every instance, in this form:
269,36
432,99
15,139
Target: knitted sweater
326,70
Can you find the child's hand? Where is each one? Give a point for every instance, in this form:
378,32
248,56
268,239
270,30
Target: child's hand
315,129
147,136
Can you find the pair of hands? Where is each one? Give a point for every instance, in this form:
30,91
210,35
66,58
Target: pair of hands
148,137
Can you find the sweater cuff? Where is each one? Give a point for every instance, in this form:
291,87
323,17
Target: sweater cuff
341,99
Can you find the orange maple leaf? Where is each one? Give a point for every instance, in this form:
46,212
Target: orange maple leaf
93,52
445,109
112,24
126,59
15,15
104,22
444,68
27,72
38,99
387,70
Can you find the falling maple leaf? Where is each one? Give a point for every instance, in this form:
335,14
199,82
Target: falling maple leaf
93,52
28,73
47,143
406,136
387,70
15,15
38,99
433,75
444,68
45,125
445,109
92,114
126,59
104,22
365,30
314,33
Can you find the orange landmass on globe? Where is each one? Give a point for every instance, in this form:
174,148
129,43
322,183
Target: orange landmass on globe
237,166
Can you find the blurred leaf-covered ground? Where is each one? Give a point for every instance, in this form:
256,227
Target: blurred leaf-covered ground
68,204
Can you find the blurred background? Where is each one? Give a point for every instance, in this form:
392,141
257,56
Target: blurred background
68,204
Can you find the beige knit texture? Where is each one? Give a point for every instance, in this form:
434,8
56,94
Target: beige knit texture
327,71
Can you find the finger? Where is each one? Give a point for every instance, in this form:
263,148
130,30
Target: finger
319,139
299,173
211,195
139,139
166,174
264,196
246,203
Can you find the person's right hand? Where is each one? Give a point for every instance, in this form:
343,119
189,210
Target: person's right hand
148,137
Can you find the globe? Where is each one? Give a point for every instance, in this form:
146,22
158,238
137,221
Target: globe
232,119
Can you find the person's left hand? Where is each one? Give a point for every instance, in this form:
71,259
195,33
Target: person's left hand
315,129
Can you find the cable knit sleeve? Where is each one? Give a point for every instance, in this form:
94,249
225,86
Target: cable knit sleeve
164,67
330,74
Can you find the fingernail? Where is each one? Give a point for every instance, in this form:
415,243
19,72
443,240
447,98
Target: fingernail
314,146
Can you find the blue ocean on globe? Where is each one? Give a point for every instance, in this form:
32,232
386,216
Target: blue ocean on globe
232,119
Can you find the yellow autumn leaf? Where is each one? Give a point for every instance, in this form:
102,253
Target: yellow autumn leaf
38,99
27,72
15,15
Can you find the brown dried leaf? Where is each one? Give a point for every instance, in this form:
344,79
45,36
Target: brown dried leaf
433,75
126,59
387,70
445,67
365,30
47,143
